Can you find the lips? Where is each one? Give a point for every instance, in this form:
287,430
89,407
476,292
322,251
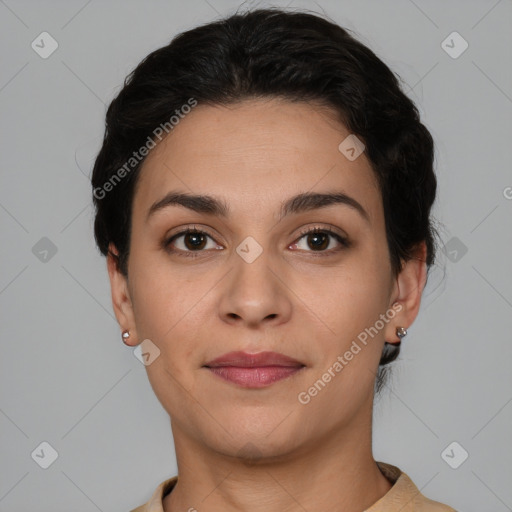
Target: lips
246,360
254,370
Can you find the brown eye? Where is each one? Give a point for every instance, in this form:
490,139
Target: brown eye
189,241
319,240
194,241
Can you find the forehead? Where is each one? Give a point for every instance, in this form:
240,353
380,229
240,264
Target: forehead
254,154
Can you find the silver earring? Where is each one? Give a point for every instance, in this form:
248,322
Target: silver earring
125,335
401,332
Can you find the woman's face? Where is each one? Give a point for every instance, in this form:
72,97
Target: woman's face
253,281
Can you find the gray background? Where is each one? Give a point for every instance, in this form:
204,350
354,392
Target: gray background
67,378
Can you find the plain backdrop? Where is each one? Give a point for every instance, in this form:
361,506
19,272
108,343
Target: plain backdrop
67,379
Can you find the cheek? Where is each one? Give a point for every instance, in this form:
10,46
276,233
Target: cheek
162,296
346,299
349,302
168,312
169,308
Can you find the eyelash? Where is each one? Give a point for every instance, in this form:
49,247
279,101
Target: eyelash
194,254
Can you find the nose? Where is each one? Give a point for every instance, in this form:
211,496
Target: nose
255,294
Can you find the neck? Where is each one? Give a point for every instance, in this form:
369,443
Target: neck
336,472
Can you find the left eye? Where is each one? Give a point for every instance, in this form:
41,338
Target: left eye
320,239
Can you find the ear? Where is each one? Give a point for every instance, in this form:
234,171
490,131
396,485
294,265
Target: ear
121,300
407,292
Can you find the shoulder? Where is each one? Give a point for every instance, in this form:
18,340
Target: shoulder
155,504
427,505
405,493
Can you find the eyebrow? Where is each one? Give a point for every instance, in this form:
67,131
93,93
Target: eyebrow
297,204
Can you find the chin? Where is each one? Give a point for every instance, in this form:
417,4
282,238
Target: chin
254,446
258,452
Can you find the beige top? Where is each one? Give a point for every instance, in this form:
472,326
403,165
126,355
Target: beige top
404,496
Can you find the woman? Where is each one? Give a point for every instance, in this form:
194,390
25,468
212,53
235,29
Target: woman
263,198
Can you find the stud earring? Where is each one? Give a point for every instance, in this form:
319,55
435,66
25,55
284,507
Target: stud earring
400,332
125,336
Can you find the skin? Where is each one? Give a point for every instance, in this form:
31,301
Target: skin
261,449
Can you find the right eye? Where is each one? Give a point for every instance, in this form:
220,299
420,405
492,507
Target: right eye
193,240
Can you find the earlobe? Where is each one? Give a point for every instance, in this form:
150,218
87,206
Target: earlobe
121,300
410,283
